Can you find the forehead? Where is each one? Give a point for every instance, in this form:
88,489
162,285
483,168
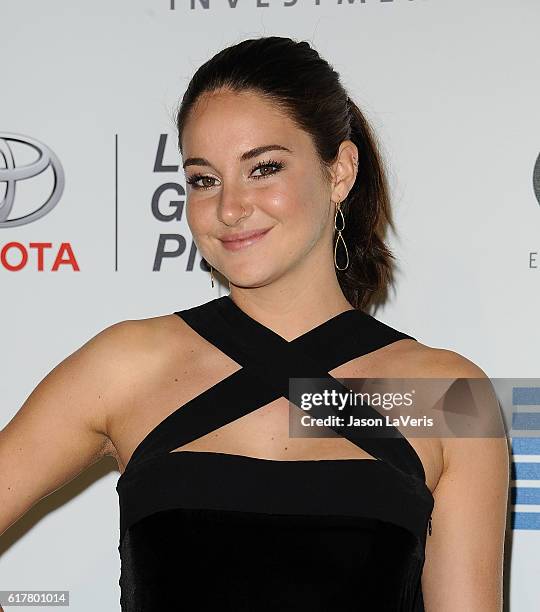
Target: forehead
238,121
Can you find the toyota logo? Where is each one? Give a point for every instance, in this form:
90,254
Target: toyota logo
12,173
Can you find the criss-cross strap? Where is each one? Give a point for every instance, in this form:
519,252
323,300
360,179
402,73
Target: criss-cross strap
268,363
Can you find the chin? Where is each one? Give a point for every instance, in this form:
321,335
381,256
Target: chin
249,276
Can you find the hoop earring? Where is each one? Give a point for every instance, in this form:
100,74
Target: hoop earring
340,237
212,276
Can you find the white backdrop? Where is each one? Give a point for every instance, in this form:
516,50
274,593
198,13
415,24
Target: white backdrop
450,86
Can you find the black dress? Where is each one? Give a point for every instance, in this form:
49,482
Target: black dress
224,532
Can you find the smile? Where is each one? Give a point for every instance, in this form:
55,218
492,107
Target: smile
242,243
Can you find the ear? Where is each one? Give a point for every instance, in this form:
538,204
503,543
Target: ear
344,170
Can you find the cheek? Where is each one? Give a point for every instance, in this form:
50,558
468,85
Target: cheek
290,210
302,209
302,223
293,202
198,216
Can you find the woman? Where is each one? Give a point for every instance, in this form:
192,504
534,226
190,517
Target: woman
220,507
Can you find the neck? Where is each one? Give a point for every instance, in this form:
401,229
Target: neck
294,304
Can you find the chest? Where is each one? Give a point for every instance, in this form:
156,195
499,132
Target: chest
264,432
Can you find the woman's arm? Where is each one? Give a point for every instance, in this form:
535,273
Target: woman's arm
464,554
61,429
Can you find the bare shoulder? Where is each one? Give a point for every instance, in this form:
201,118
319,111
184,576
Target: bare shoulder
129,355
63,425
140,340
117,354
471,492
424,361
485,437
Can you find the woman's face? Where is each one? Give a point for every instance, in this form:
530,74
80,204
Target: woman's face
232,188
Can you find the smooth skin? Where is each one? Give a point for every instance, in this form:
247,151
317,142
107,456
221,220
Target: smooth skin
106,396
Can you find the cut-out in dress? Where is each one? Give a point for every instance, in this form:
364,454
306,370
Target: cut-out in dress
216,531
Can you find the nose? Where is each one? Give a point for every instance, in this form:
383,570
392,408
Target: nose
232,207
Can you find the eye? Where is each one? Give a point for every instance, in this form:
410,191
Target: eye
262,165
267,164
195,178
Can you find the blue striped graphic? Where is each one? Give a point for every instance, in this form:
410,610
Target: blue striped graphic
526,446
525,495
526,420
525,470
526,396
525,520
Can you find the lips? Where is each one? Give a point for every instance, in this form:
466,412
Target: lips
243,239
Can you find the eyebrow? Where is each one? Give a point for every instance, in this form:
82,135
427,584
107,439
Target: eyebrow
201,161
